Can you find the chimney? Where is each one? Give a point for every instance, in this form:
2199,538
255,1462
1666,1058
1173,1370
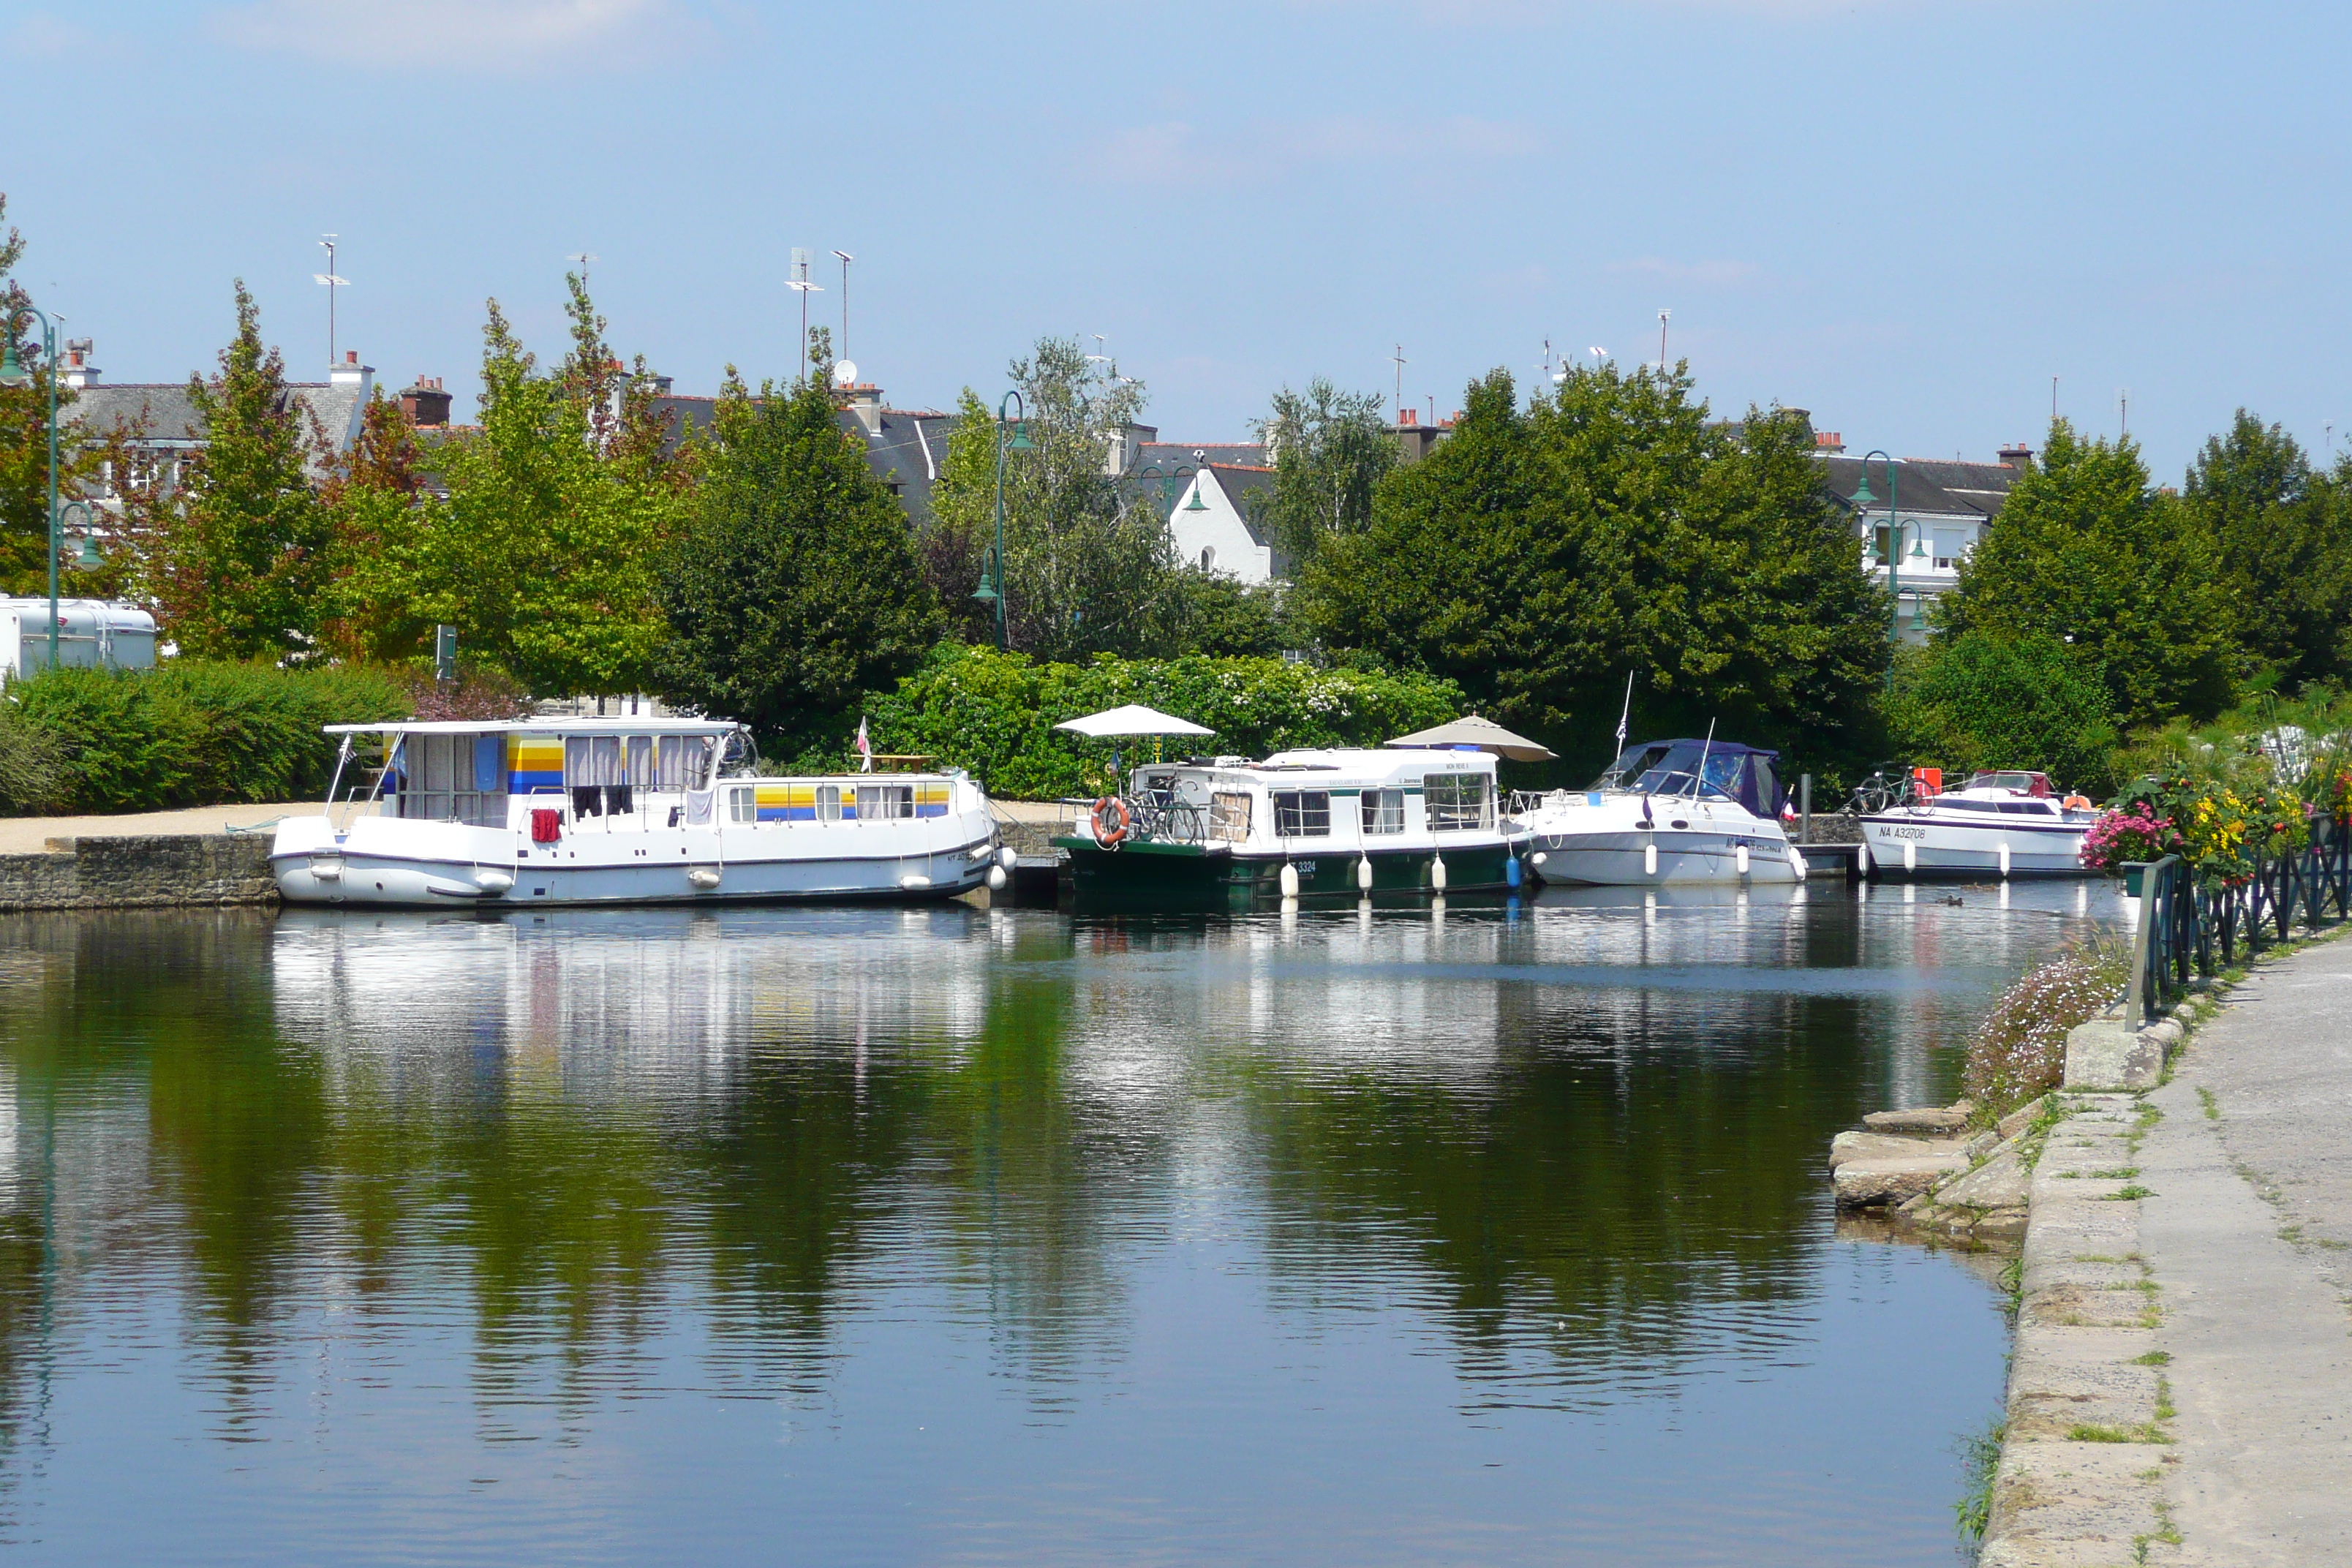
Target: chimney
866,401
80,366
351,373
1408,418
425,403
2019,456
1828,443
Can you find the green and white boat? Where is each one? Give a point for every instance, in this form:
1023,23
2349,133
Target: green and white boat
1337,823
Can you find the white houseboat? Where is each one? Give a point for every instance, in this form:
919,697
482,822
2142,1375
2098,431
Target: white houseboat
1667,812
2000,824
1304,823
605,810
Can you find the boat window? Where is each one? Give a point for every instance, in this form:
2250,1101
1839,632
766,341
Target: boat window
741,806
1636,761
1383,811
642,773
1302,814
451,778
828,802
2029,808
1458,803
1229,816
882,803
683,762
1765,798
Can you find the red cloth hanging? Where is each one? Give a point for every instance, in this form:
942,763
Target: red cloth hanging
546,826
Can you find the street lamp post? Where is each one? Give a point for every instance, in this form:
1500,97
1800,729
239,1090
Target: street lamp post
1864,497
991,581
14,373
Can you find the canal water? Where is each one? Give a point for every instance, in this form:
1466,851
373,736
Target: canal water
1496,1234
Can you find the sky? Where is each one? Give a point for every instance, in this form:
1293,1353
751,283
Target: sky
1905,216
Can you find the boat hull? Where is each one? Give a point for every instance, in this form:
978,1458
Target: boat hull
1942,847
1597,839
419,864
1216,876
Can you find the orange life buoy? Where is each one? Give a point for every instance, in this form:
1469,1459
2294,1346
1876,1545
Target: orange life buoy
1111,821
2076,803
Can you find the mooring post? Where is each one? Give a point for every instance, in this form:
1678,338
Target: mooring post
1805,809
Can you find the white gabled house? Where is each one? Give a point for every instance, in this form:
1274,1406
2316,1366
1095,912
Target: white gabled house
1213,529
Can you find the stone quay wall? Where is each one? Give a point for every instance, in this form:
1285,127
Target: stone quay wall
149,871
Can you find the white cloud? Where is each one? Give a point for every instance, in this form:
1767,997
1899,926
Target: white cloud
473,34
1174,151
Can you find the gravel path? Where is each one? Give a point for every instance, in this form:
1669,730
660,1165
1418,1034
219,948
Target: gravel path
2249,1233
30,835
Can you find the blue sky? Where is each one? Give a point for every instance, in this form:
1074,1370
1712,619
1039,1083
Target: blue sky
1906,217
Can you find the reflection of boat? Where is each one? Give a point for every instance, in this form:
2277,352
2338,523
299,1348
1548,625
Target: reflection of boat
1667,811
567,811
1308,824
2000,824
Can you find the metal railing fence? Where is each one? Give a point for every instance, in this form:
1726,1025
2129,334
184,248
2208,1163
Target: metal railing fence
2192,926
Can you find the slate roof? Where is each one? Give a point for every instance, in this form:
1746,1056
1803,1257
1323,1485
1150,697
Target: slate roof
905,452
1926,485
169,418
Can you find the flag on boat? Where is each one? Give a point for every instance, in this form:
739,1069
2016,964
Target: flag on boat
864,748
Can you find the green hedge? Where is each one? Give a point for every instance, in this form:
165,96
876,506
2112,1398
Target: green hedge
185,734
995,713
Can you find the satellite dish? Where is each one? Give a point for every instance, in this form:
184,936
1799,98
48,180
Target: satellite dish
846,374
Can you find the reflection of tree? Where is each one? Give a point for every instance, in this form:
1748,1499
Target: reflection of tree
1618,1189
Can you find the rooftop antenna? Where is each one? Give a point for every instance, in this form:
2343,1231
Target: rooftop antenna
1662,314
332,283
845,259
1599,354
1399,358
2054,400
799,284
583,257
2123,407
1102,348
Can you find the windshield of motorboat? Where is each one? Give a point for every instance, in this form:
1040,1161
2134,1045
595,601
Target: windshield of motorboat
1637,760
2020,782
1675,773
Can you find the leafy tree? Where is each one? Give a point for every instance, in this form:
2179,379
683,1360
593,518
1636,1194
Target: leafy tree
236,559
793,591
1985,701
1330,451
544,554
1536,558
1225,619
24,442
2084,552
2285,539
373,494
1088,567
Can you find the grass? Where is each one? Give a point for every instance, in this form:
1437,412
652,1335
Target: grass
2127,1195
1979,1457
2153,1358
2212,1107
2165,1530
2123,1175
2143,1431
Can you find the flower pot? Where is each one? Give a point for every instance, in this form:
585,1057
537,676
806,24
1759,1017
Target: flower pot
2133,870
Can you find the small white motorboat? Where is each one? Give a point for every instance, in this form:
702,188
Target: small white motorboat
2000,824
1667,812
548,812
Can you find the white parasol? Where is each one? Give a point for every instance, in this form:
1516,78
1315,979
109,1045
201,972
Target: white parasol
1483,733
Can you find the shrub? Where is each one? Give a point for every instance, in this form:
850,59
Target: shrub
2020,1049
33,777
993,714
192,733
1985,701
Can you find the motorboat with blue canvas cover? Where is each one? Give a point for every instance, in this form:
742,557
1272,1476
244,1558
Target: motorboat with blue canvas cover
547,812
1667,812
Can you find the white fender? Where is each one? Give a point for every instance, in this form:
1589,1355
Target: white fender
1910,854
491,881
2004,861
1289,880
1650,859
1437,872
1862,857
703,877
327,870
996,879
914,880
1363,873
1007,856
1537,858
1742,859
1795,862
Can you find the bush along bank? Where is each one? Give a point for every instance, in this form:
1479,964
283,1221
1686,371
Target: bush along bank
993,714
186,733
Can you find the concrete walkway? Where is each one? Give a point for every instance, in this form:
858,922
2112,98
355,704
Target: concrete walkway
30,834
2248,1233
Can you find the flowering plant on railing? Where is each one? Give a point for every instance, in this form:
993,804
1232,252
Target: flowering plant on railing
2131,832
2222,827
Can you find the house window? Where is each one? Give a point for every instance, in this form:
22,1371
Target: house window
884,802
1458,803
1302,814
741,806
1208,558
1383,811
1229,817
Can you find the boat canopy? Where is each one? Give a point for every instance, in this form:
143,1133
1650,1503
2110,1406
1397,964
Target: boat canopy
1745,773
591,725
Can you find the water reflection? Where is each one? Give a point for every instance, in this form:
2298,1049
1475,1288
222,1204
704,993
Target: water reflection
293,1176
